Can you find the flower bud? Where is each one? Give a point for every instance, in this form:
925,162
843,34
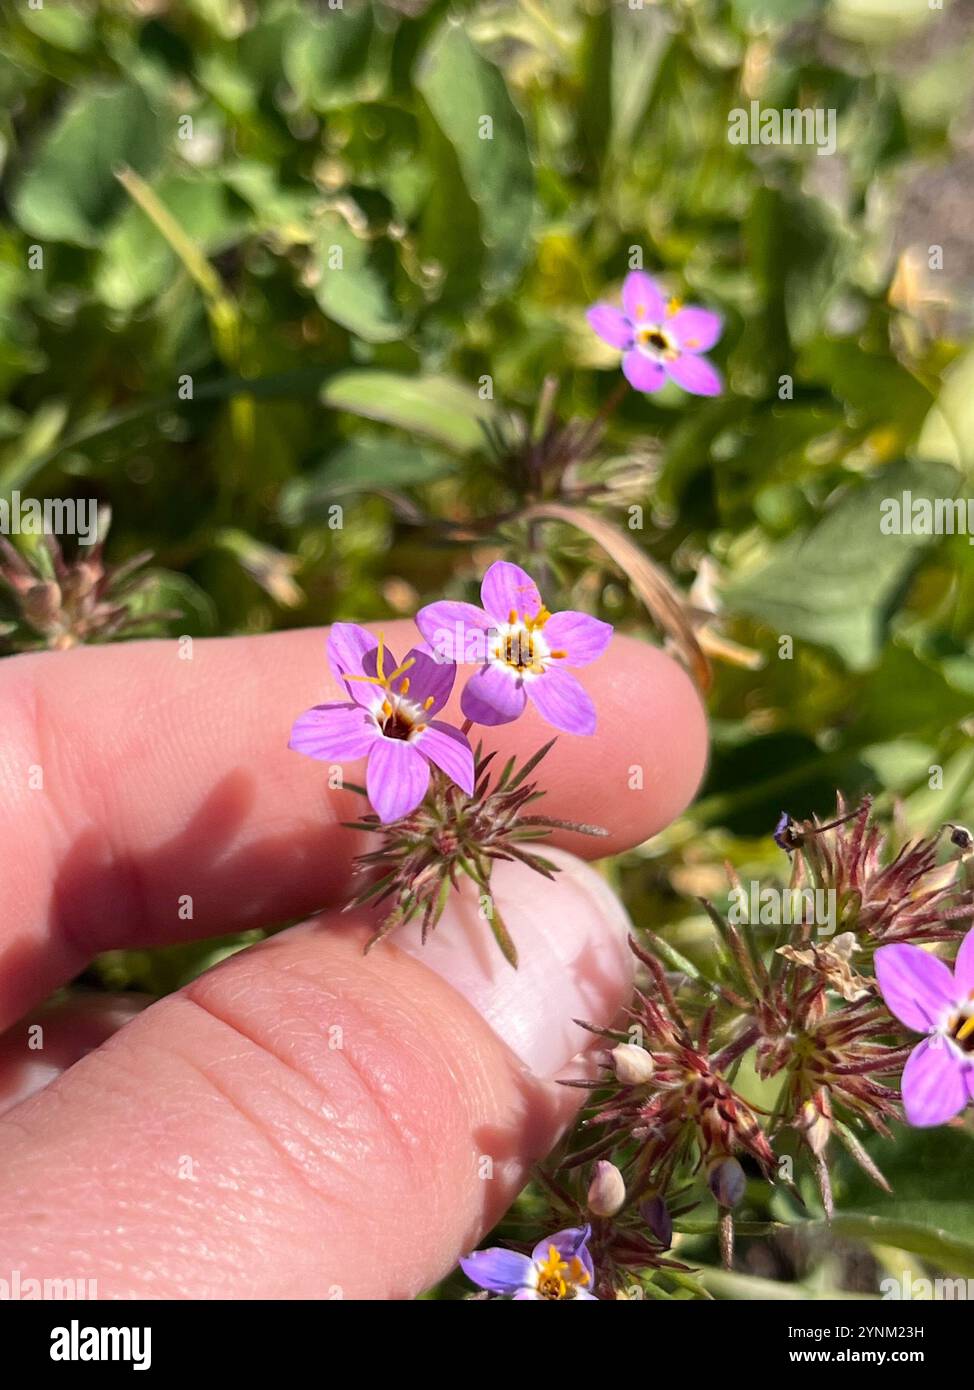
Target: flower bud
632,1065
656,1214
607,1190
817,1128
727,1182
41,604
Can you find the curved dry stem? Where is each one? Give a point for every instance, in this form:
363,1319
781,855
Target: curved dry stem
664,602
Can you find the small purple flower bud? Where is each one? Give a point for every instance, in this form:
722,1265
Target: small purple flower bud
786,834
656,1214
727,1182
607,1190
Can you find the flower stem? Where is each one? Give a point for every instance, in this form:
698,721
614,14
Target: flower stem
601,418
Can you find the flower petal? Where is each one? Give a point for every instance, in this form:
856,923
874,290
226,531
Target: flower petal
917,987
696,330
571,1243
348,646
964,966
454,631
493,696
334,733
696,375
583,637
396,778
642,299
451,752
428,677
611,325
558,697
643,373
500,1271
506,587
934,1083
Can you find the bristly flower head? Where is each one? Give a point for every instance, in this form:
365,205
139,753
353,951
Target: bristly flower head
521,648
881,897
688,1112
389,720
559,1267
453,835
929,998
659,338
63,603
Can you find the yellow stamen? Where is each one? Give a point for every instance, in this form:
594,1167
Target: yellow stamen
429,702
404,687
558,654
674,307
410,661
965,1030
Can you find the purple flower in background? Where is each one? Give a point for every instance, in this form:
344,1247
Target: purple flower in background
388,720
923,993
522,650
659,338
560,1266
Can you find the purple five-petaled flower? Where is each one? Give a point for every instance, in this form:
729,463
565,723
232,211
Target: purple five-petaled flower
522,651
923,993
560,1266
659,338
389,720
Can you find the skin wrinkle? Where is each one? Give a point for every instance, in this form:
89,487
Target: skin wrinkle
400,995
252,1117
340,1001
221,1017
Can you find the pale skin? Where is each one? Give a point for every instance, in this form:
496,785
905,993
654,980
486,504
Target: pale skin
219,1143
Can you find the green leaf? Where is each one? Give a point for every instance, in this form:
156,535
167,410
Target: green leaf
364,465
907,693
70,192
835,585
435,406
948,430
331,59
472,107
929,1211
350,287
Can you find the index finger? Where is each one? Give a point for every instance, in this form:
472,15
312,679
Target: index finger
148,796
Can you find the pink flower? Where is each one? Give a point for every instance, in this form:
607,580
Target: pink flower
522,651
659,339
923,993
388,720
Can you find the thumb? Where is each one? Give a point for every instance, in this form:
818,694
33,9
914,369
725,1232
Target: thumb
305,1121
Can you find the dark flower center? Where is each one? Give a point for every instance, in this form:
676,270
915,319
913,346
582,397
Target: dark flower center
961,1030
518,650
398,725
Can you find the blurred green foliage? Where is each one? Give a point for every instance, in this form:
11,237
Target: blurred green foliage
299,442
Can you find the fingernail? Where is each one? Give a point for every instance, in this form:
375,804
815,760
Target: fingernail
573,959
